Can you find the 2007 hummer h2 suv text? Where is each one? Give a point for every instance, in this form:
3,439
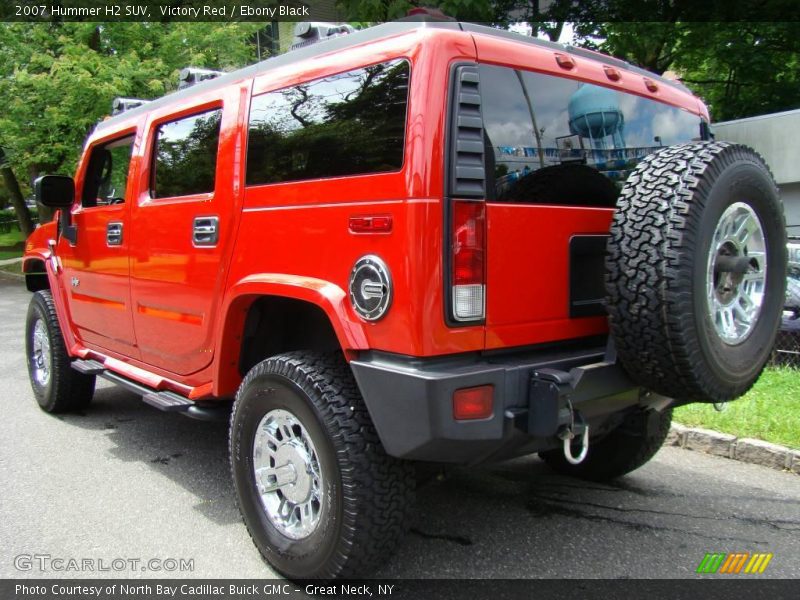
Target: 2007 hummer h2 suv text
425,241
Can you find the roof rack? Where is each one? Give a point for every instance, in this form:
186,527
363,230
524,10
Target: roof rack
192,75
120,105
307,33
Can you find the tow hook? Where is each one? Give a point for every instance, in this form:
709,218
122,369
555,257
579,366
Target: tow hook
567,433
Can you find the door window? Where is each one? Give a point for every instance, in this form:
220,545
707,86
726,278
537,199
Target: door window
185,155
107,173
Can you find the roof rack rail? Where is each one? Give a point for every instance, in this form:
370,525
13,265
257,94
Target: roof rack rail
192,75
120,105
307,33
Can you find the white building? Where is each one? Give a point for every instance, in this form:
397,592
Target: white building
777,138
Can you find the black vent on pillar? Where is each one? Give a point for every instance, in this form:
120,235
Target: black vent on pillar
467,170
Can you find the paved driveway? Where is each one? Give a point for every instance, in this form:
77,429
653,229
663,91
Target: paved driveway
127,481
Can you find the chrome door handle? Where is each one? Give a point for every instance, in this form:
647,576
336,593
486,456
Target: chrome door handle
205,231
114,234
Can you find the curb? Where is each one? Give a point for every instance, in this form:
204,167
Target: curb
756,452
8,276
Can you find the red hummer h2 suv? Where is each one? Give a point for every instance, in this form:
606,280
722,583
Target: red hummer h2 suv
424,241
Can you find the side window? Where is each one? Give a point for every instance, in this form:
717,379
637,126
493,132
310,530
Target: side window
107,173
346,124
552,140
185,156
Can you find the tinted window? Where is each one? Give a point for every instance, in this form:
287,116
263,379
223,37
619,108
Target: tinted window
557,141
107,173
185,161
346,124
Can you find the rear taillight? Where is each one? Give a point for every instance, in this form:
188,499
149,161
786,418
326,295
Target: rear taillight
468,260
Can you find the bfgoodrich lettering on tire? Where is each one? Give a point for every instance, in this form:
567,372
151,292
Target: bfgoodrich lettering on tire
696,271
319,496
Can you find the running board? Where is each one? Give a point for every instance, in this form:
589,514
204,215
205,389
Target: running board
162,400
88,367
167,401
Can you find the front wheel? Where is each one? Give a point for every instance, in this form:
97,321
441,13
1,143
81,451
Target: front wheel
319,496
56,386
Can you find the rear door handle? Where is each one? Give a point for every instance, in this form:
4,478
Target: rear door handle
205,231
114,234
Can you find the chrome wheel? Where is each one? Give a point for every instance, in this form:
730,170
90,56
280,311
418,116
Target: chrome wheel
287,474
40,354
736,273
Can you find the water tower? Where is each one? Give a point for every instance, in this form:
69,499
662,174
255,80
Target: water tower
594,113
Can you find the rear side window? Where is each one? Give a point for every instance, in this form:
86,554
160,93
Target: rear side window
185,156
557,141
346,124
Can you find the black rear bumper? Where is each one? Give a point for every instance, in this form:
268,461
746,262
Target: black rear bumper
410,400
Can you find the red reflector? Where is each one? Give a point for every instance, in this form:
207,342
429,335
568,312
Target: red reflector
473,403
371,224
469,225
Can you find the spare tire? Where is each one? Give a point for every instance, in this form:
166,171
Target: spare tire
696,271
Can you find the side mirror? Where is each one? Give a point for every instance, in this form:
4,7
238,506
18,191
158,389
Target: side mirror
58,191
55,191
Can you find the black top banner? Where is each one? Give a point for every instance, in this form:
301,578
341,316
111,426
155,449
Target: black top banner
363,10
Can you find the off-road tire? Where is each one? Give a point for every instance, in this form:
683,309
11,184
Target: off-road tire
368,494
66,390
621,451
656,269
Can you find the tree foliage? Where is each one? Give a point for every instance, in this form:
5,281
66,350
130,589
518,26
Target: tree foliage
57,80
740,62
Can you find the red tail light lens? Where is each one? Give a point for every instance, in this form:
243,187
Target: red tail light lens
468,259
473,403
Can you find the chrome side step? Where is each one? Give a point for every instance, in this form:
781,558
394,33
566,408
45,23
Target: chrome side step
162,400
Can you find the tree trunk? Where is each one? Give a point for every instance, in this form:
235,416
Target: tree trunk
46,213
17,201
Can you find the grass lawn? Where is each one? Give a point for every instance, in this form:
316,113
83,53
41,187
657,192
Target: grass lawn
770,411
6,254
7,243
11,238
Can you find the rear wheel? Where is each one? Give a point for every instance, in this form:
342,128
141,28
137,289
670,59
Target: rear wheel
56,386
319,496
625,449
695,271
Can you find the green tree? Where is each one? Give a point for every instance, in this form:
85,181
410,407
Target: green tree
740,57
57,80
741,69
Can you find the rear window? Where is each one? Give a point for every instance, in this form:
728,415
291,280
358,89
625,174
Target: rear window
185,156
347,124
557,141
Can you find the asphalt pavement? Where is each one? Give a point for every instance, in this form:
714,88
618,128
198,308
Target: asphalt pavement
125,481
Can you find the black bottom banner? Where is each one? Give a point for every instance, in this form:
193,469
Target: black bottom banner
457,589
